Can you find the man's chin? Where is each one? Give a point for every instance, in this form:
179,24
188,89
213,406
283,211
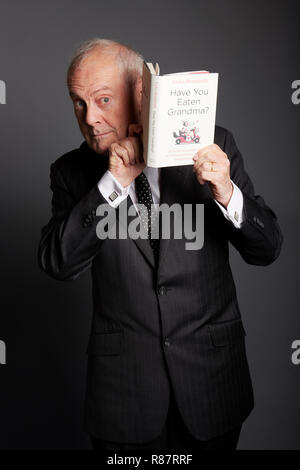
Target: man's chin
99,147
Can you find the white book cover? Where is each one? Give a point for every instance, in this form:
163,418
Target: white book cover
178,115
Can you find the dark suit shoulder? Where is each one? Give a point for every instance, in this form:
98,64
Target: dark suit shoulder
221,134
69,160
80,169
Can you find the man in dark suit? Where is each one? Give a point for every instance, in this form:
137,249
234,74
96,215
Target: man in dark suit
167,367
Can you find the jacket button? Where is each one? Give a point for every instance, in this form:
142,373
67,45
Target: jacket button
167,342
162,290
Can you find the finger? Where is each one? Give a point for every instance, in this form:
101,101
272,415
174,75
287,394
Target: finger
212,152
115,161
122,152
201,180
138,149
213,166
212,176
203,165
221,166
210,171
211,156
131,148
207,173
112,151
203,150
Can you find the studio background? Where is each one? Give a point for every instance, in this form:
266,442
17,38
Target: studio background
45,323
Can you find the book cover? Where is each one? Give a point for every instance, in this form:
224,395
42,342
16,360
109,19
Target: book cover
178,115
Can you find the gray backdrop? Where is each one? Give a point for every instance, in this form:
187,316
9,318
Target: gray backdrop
44,323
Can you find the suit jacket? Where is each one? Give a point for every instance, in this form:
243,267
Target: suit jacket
176,324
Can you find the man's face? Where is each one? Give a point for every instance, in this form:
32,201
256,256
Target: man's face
102,101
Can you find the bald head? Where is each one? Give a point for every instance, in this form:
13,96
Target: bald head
130,62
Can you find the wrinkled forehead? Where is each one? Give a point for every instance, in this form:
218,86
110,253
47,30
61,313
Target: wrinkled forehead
96,70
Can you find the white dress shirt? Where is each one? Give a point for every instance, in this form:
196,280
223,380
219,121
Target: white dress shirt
115,193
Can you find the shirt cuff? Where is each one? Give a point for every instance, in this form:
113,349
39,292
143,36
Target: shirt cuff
112,190
234,211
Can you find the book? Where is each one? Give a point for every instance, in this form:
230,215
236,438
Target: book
178,115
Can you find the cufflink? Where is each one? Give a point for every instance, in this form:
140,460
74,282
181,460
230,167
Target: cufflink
113,196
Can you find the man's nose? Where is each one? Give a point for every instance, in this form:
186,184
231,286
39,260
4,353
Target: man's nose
93,115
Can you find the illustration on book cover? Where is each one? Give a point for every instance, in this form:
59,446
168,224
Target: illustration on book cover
188,134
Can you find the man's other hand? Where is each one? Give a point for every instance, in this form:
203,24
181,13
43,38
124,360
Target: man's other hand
126,156
213,165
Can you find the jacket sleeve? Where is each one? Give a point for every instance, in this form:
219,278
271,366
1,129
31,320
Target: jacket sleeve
69,241
259,239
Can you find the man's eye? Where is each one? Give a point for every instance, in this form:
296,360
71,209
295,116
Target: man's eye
79,104
105,100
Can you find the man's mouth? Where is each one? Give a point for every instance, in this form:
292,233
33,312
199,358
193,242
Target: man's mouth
101,134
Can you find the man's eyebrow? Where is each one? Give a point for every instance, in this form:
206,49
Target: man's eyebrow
104,88
74,95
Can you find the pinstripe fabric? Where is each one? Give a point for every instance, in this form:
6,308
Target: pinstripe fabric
145,340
